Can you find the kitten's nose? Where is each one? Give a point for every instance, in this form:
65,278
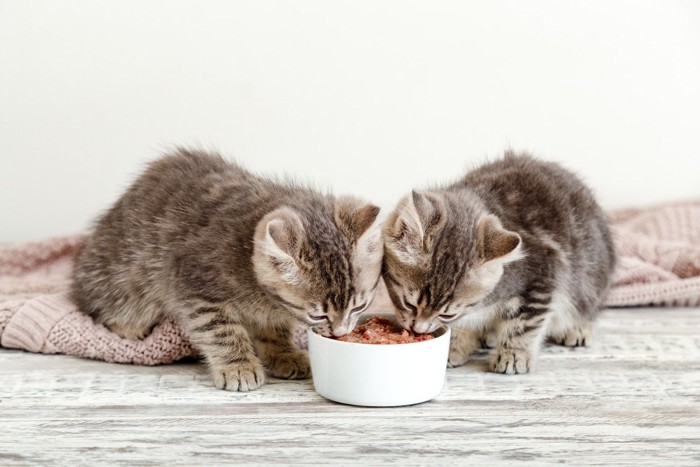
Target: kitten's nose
341,330
421,327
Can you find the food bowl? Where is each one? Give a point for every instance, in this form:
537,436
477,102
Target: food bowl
379,375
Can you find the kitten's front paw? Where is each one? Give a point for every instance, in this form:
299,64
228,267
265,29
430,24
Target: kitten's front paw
290,365
511,361
244,376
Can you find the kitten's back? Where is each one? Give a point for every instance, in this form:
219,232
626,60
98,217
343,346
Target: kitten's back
550,207
132,243
526,193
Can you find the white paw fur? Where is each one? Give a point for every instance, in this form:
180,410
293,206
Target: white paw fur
241,377
512,361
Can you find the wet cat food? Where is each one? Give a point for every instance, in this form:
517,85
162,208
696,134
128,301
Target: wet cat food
379,330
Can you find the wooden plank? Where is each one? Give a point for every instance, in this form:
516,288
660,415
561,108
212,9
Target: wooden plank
633,397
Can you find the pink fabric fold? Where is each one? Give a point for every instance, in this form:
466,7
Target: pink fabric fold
659,264
659,255
37,315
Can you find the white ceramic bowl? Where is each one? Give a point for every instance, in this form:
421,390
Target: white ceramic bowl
379,375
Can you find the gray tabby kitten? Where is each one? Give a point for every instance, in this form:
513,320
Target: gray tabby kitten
240,260
515,252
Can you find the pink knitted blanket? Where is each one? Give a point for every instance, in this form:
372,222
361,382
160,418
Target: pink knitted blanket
36,314
659,264
659,255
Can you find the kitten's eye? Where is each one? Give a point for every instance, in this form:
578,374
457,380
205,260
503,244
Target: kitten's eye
360,307
317,319
447,316
408,306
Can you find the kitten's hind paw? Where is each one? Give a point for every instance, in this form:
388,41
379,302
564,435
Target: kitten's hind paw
511,361
575,337
462,343
133,333
242,377
459,355
290,365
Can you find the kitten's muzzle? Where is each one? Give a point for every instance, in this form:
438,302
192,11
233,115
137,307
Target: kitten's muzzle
341,330
425,326
324,330
327,331
422,327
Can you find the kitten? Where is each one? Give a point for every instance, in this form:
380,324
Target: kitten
515,252
240,260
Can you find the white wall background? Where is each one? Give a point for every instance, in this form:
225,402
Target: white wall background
368,97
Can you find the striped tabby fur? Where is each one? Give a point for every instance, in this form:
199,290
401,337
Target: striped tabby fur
240,260
515,252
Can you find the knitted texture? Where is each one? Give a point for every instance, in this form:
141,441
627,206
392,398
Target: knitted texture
659,264
659,255
37,315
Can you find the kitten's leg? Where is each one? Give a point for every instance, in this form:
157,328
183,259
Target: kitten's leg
227,347
519,336
572,321
279,354
133,320
489,337
463,341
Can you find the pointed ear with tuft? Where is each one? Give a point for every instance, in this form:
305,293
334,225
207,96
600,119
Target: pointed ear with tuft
431,213
279,237
412,229
495,242
354,216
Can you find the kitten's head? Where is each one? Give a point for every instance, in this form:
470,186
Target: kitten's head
444,253
321,262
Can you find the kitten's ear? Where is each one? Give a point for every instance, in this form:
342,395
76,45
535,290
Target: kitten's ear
354,216
278,238
431,213
495,242
412,229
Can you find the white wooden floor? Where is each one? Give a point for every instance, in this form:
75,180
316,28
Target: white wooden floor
632,398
